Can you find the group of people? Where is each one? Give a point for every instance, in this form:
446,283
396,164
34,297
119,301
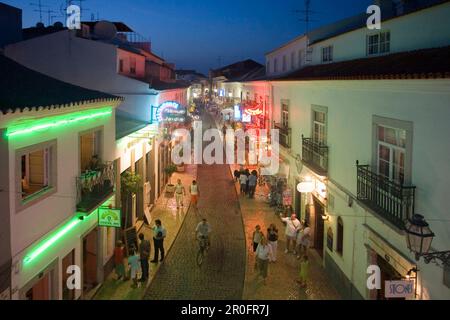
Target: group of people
180,192
138,258
298,235
247,181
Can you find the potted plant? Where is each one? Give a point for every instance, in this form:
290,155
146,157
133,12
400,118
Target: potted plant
170,170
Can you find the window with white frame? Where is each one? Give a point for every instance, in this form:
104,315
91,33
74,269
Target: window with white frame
275,65
268,67
319,127
36,170
301,57
391,153
292,60
379,43
285,114
132,65
284,63
327,54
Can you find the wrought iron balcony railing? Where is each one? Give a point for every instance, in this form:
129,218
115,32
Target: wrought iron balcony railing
392,201
315,155
285,135
95,187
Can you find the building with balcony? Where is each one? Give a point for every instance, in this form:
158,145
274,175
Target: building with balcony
379,98
53,145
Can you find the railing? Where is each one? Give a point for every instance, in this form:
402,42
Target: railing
393,201
285,135
95,187
315,155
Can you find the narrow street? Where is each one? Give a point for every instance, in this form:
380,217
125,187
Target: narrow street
221,277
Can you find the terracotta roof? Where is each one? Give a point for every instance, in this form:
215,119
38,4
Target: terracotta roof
22,88
420,64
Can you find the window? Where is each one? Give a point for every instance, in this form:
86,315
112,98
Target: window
284,63
301,55
90,148
319,127
268,67
285,115
391,153
327,54
275,65
132,65
35,171
120,65
340,236
292,60
379,43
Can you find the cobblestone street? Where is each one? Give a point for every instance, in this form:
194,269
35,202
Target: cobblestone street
221,276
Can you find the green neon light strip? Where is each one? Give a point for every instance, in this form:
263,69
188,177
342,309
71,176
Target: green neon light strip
57,123
47,243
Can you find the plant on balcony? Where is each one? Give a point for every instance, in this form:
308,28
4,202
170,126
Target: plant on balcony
130,185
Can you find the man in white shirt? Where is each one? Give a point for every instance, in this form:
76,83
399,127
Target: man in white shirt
180,191
243,181
292,227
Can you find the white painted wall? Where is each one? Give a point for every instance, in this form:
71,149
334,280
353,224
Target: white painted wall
351,105
296,45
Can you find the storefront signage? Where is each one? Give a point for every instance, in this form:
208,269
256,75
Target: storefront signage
287,197
246,118
169,111
253,112
109,217
237,112
399,289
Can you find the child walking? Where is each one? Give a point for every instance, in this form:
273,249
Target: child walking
303,272
257,236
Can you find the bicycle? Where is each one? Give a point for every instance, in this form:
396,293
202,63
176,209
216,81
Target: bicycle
203,247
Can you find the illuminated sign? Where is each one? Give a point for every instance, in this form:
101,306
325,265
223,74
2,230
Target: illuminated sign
399,289
169,111
109,217
246,118
237,112
253,112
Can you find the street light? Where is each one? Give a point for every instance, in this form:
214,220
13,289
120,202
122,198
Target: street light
419,237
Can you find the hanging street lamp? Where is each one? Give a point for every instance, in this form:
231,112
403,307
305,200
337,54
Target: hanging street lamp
419,237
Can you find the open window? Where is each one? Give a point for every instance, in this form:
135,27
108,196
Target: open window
35,171
90,149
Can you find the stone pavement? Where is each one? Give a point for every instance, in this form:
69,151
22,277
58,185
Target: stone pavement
281,282
221,276
172,219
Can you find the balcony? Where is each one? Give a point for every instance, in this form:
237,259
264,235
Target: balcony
393,201
285,135
315,156
95,187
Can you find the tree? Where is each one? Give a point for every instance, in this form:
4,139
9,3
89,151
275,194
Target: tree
130,185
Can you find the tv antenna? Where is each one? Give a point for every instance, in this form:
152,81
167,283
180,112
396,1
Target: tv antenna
39,9
307,13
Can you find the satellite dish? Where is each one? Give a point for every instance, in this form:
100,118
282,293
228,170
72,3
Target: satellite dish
105,30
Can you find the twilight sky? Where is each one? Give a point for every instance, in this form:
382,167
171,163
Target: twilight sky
197,34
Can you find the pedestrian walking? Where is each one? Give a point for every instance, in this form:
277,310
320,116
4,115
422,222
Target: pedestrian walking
263,255
118,260
133,262
252,180
247,173
243,182
236,174
180,192
144,254
256,237
305,239
159,233
195,193
272,237
292,227
304,271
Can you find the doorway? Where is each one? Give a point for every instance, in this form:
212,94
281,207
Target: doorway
388,273
319,211
41,290
90,250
